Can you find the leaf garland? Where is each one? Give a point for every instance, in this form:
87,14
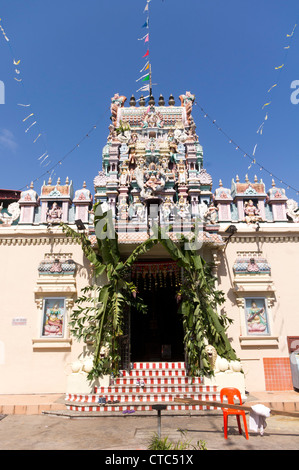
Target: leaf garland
99,313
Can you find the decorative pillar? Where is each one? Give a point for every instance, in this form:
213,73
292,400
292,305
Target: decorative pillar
82,202
276,198
223,199
55,201
28,202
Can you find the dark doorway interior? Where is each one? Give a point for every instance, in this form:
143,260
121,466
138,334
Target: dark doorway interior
157,335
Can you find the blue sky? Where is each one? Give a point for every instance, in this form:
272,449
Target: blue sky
75,55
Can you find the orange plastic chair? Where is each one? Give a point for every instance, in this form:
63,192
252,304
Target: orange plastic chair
230,393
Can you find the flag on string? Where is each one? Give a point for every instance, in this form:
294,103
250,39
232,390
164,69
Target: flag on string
146,8
145,67
33,124
146,54
280,67
144,88
141,77
141,39
27,117
272,87
290,35
146,23
37,138
146,78
260,129
266,104
146,38
3,32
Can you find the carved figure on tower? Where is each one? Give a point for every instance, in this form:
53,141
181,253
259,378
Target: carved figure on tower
293,210
167,209
116,103
252,213
187,101
183,208
154,183
211,215
182,174
124,177
54,215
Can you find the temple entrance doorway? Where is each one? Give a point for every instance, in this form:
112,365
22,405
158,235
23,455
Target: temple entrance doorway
158,334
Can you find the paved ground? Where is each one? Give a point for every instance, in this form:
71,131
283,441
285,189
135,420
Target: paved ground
134,432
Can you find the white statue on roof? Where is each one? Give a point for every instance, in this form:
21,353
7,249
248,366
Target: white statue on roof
293,210
12,214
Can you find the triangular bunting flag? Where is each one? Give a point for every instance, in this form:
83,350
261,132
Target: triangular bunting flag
145,24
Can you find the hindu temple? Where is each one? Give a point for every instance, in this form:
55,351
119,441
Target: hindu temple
151,174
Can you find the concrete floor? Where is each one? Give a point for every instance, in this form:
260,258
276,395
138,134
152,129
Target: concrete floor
30,422
133,433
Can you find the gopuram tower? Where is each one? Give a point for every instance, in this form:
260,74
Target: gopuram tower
152,167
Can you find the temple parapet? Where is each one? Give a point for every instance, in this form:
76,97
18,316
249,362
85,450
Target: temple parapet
152,172
56,203
152,167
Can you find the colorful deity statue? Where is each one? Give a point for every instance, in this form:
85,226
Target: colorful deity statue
54,215
182,173
183,210
154,183
293,210
187,101
124,178
167,209
211,215
54,321
116,102
252,213
139,210
256,319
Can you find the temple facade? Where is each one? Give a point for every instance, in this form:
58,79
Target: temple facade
152,174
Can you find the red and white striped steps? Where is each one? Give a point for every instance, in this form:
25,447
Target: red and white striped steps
163,381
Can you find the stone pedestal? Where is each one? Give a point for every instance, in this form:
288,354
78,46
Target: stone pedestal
78,383
227,379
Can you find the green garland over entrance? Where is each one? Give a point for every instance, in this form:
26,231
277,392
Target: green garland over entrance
98,316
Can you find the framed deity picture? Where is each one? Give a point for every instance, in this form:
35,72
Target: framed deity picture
53,317
256,316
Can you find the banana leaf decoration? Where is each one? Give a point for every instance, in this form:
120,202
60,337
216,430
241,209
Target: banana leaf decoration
98,318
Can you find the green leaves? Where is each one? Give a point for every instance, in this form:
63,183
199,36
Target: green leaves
98,316
200,300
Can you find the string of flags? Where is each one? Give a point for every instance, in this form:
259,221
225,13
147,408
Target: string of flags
147,66
245,154
32,124
43,159
3,32
50,170
268,103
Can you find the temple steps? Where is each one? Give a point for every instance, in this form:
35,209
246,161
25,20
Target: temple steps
160,380
141,398
145,385
133,407
153,389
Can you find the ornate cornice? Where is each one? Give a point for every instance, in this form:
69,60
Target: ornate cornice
23,241
281,238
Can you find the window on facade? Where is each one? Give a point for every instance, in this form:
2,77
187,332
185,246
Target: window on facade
53,317
256,316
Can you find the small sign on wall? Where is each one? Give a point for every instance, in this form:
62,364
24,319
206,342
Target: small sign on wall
19,321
